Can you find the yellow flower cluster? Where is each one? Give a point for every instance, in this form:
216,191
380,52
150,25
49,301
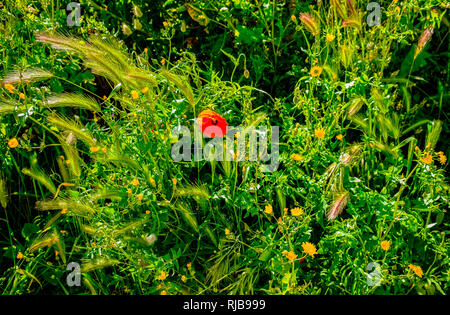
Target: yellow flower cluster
442,158
268,209
309,249
417,270
385,245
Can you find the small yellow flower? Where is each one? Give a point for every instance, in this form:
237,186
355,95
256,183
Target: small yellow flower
162,276
19,255
135,182
236,33
319,133
134,94
9,87
340,137
330,37
397,10
297,157
158,287
163,292
139,197
94,149
427,159
227,231
417,270
165,24
183,278
291,255
104,150
285,252
296,212
129,191
174,181
104,97
144,90
416,148
285,210
21,96
293,18
268,209
163,61
145,50
13,143
147,212
152,182
56,253
189,265
64,211
442,158
309,249
315,71
385,245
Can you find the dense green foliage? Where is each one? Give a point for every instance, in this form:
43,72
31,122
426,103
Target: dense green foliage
87,175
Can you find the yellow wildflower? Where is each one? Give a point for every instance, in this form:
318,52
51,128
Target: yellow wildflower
9,87
152,181
417,270
174,181
19,255
147,212
162,276
94,149
139,197
189,265
309,249
315,71
330,37
129,191
163,61
13,143
442,158
319,133
144,90
64,211
135,182
291,255
297,157
293,18
385,245
165,24
145,50
134,94
236,33
21,96
296,212
340,137
268,209
427,159
227,231
163,292
183,278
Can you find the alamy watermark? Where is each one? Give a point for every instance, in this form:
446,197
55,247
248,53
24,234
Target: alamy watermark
74,277
229,147
374,277
73,18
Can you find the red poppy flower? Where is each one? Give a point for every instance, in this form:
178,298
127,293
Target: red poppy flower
212,124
